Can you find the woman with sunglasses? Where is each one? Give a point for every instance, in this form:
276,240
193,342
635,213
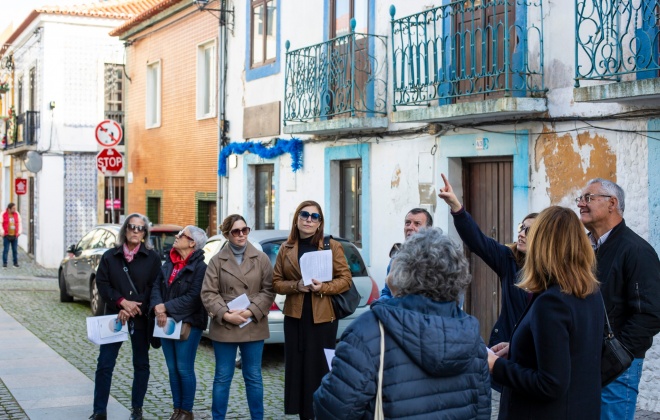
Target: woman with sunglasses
127,293
310,325
238,269
176,294
504,260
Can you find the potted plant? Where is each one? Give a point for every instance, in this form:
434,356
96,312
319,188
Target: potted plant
4,87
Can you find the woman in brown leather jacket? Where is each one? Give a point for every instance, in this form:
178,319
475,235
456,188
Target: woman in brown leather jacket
310,324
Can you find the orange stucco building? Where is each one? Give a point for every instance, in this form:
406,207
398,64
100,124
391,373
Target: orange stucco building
171,125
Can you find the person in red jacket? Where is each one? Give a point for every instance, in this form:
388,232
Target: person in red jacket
11,228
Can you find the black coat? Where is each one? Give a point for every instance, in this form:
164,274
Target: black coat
629,272
182,298
501,260
553,371
113,284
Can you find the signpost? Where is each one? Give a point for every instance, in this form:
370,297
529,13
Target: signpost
108,133
20,185
110,162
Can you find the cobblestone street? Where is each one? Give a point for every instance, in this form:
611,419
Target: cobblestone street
30,295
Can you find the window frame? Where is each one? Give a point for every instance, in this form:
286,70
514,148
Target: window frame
211,89
272,66
154,102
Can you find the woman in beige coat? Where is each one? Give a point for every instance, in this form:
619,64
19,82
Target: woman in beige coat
239,268
310,324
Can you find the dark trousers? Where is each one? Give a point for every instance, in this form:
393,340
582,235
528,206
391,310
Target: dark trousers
106,364
14,249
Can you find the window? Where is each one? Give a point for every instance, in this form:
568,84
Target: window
264,197
113,104
153,209
32,86
153,95
206,80
207,217
19,95
263,38
113,199
350,212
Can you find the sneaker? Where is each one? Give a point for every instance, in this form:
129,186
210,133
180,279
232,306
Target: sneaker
98,417
16,265
136,413
4,265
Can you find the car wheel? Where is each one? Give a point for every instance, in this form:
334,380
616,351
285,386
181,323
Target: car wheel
95,300
64,296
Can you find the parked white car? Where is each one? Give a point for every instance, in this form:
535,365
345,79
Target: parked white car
269,241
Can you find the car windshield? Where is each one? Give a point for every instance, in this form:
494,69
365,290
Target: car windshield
163,242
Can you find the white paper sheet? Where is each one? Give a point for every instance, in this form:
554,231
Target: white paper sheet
171,330
105,329
316,265
240,303
329,355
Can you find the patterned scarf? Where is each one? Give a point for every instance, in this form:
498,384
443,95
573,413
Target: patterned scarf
128,254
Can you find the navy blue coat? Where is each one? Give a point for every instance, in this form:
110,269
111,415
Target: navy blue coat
435,364
501,260
182,298
553,371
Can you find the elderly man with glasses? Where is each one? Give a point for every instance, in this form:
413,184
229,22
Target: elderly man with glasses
629,273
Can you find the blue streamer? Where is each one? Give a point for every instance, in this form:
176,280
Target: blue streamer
294,147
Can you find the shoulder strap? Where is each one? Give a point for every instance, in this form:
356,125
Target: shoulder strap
378,409
326,241
123,261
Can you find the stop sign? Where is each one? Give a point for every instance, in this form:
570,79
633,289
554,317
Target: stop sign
109,161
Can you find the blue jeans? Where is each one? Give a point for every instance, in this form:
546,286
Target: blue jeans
619,399
180,359
5,249
225,364
106,364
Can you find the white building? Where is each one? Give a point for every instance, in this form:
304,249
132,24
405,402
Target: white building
447,90
66,73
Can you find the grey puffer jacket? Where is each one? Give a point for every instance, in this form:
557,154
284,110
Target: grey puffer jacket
435,364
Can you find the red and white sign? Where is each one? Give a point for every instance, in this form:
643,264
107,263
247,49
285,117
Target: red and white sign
116,204
20,185
108,133
109,161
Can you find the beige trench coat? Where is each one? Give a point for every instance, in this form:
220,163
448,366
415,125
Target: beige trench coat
225,280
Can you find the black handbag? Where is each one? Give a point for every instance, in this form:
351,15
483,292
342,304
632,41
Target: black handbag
344,304
615,356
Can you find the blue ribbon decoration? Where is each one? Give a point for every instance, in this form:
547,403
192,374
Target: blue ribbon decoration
294,147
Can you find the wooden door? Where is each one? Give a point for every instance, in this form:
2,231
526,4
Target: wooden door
479,53
488,189
31,232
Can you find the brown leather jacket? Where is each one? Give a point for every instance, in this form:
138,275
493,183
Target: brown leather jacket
287,275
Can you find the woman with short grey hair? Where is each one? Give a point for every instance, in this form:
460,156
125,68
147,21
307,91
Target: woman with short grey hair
176,295
435,362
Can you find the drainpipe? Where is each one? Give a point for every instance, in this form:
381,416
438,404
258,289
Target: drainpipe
223,181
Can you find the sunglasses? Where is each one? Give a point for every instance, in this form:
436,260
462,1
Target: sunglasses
181,234
136,228
588,197
304,215
522,228
236,232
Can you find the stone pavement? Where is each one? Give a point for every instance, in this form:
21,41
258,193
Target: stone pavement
47,372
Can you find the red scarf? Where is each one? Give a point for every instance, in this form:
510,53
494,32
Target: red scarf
178,263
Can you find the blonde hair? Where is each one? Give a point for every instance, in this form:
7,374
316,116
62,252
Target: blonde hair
559,252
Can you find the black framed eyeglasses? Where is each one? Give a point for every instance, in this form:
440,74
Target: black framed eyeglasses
304,215
588,197
181,234
236,232
136,228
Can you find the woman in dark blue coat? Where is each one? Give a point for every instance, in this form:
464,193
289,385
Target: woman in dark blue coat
176,294
553,366
435,364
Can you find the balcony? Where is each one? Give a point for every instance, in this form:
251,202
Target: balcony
617,50
337,86
26,134
474,60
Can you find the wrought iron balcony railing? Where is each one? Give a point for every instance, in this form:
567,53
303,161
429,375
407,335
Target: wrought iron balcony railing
340,77
615,38
27,130
468,50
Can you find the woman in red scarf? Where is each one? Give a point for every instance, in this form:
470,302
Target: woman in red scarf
176,295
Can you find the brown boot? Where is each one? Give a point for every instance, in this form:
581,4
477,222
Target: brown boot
175,414
185,415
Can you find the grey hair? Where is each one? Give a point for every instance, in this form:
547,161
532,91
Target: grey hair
198,235
147,230
430,264
613,189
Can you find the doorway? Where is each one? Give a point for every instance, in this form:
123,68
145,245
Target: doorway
488,197
31,232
